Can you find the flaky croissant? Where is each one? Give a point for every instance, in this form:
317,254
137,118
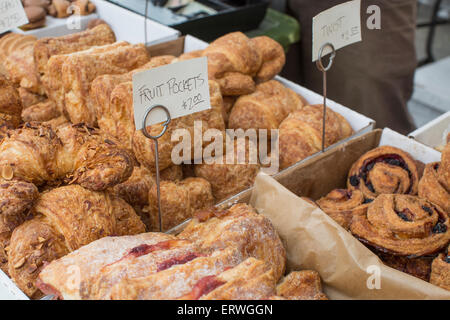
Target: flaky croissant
66,219
236,61
301,133
265,108
74,153
16,199
179,201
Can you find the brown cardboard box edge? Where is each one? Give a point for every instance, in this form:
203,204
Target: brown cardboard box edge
173,47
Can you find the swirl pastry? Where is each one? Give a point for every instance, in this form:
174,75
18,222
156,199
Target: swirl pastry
179,201
385,170
404,226
65,219
342,205
16,199
440,270
301,133
430,186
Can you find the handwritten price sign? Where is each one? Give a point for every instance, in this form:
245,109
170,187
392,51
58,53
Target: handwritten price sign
12,15
339,25
181,87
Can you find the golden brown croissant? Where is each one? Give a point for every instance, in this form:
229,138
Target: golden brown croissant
66,218
41,112
16,199
265,108
273,58
179,201
135,190
210,119
80,70
300,133
75,153
114,108
387,170
301,285
233,60
29,98
342,205
440,270
405,230
10,105
45,48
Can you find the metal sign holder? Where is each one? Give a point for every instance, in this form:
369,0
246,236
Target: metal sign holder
324,70
155,139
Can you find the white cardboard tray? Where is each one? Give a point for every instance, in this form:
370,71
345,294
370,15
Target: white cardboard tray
434,133
127,25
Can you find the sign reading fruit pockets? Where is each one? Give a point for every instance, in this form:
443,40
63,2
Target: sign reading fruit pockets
181,87
12,15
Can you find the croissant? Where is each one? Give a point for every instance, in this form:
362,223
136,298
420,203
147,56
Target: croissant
404,226
10,105
387,170
342,205
45,48
41,112
52,78
229,178
114,108
440,270
238,227
210,119
435,182
16,199
29,98
74,153
273,58
218,256
179,201
135,190
300,134
301,285
265,108
78,72
66,218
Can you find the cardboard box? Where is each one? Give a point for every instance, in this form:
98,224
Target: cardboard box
434,134
127,25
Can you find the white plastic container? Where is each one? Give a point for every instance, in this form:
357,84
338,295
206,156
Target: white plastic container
434,133
127,25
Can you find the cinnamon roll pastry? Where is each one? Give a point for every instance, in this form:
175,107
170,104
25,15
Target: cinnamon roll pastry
341,205
440,270
385,170
404,226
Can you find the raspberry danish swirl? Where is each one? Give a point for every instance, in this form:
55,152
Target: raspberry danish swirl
385,170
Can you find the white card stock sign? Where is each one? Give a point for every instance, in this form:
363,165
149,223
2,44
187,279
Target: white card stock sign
181,87
12,15
339,25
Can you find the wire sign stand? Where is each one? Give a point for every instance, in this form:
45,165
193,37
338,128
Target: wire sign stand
155,139
324,70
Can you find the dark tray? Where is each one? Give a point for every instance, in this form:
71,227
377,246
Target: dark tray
232,15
